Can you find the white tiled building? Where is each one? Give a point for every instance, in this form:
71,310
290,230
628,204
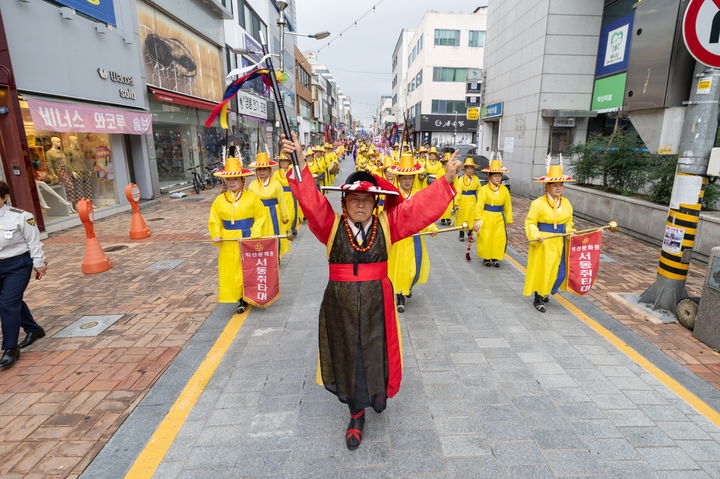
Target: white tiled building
445,53
539,71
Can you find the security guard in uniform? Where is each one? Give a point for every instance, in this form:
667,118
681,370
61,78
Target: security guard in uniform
20,253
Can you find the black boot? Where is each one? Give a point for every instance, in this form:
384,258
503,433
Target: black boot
539,303
242,306
354,432
496,263
9,357
400,299
487,263
462,236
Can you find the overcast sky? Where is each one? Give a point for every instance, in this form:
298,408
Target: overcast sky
361,60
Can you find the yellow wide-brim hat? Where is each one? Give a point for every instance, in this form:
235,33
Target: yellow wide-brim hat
446,157
262,160
469,162
407,166
387,163
433,150
319,148
554,173
495,165
233,169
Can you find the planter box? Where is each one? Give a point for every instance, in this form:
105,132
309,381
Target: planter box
638,218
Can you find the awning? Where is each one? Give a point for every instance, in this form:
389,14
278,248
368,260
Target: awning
180,99
74,118
569,114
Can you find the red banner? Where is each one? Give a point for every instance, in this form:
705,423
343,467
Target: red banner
260,267
583,261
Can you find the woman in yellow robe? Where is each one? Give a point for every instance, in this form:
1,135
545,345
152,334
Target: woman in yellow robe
467,187
384,172
408,262
270,192
493,214
548,215
294,211
234,214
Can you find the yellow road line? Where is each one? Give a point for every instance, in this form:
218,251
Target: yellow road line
694,401
152,455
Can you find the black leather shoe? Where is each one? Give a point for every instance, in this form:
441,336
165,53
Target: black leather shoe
9,357
400,300
241,307
31,337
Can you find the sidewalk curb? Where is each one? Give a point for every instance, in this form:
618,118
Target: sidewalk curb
118,454
681,374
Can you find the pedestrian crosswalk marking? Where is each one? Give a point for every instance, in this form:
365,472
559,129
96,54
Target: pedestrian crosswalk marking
700,406
152,455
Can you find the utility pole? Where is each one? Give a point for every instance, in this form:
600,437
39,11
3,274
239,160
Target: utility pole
697,140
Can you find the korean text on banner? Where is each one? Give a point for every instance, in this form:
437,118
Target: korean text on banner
65,117
583,261
260,267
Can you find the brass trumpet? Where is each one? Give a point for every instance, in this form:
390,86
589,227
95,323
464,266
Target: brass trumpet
464,227
612,226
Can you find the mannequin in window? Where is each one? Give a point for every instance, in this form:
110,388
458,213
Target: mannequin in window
59,167
84,176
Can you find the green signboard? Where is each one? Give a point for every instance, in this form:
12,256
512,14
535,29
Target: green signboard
609,93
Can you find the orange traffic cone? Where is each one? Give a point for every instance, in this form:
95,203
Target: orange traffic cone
95,261
138,228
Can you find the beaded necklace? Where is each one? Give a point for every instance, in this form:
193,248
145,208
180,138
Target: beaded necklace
235,199
351,237
468,183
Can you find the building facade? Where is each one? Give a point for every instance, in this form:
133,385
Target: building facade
539,69
82,126
399,72
304,98
445,55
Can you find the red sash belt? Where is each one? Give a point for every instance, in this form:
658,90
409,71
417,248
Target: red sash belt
378,272
366,271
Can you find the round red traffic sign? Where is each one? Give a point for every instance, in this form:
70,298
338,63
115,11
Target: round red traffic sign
701,31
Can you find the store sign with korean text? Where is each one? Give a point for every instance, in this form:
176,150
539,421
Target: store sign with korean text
609,93
614,50
126,82
65,117
251,105
102,10
492,111
446,123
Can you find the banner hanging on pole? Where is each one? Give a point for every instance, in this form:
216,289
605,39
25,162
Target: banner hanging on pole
583,261
260,267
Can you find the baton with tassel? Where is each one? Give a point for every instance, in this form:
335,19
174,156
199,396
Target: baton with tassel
281,105
612,226
464,227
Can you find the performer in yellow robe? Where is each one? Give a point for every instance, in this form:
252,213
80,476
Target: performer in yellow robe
467,187
446,218
493,214
408,263
384,172
433,167
234,214
294,211
395,153
548,215
271,193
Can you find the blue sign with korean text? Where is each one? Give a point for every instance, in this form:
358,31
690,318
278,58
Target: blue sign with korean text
102,10
492,111
614,49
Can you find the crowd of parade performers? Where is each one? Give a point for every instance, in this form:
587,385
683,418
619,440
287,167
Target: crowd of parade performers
266,206
260,207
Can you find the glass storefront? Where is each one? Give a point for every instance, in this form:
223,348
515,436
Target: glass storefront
182,142
68,167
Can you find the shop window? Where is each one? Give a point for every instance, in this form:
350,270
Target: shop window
560,140
448,107
68,167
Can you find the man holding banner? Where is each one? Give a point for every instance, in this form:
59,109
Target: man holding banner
235,214
359,335
549,215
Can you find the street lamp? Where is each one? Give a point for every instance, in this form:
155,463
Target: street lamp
281,6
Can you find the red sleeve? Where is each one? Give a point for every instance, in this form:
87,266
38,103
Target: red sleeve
390,200
315,206
420,211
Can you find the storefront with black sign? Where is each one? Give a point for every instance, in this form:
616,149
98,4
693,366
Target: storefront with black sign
445,130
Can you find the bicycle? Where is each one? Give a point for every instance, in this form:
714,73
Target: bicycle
197,181
210,179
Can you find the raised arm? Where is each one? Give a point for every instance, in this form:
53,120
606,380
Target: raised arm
423,209
315,206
